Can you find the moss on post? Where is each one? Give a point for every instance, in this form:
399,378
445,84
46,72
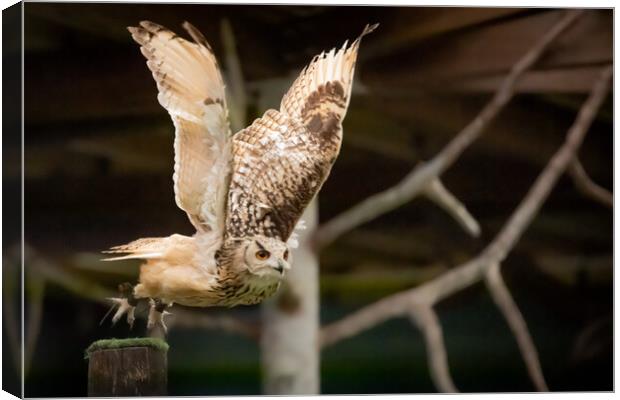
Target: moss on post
127,367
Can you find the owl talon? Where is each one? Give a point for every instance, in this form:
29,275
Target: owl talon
157,312
124,307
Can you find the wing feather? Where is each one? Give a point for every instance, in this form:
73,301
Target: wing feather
309,98
191,89
279,166
281,161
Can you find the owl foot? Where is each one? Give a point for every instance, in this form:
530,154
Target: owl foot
123,308
157,312
126,305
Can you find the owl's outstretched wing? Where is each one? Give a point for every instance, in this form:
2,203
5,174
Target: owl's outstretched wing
191,89
282,159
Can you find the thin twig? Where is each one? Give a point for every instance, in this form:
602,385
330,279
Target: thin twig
413,184
502,297
426,319
588,187
438,193
473,270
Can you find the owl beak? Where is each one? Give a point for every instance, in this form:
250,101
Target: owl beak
279,267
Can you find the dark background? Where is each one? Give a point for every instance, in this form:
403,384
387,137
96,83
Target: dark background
98,167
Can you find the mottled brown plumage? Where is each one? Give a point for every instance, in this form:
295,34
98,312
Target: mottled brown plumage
243,193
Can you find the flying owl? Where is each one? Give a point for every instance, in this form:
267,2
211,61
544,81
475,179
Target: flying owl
244,193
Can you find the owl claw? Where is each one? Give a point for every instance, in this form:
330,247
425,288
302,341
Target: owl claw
126,305
123,308
157,312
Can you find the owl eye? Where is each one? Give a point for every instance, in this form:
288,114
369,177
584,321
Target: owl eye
285,255
262,255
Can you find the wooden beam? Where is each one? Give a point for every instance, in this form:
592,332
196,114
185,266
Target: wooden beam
565,80
97,26
492,49
87,85
522,131
409,25
109,21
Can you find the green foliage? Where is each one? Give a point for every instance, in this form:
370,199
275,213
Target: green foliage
114,343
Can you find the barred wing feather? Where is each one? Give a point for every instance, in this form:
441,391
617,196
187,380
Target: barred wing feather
281,161
191,89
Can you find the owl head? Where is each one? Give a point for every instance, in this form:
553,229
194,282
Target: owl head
265,256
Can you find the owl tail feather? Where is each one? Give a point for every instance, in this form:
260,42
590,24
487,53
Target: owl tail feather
148,248
142,256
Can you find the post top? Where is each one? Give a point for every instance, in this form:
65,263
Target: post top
114,343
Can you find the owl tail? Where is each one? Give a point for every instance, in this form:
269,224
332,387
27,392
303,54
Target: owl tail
150,248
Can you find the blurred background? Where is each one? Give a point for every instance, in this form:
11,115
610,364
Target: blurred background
98,168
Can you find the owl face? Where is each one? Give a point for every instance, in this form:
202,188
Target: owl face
267,257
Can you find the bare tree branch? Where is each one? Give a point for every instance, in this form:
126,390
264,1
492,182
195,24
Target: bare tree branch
472,271
426,319
588,187
502,297
415,182
557,165
73,283
437,192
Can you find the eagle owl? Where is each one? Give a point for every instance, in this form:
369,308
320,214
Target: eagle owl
244,193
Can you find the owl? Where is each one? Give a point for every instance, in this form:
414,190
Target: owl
244,193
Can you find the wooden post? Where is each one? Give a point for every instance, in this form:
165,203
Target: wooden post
127,367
